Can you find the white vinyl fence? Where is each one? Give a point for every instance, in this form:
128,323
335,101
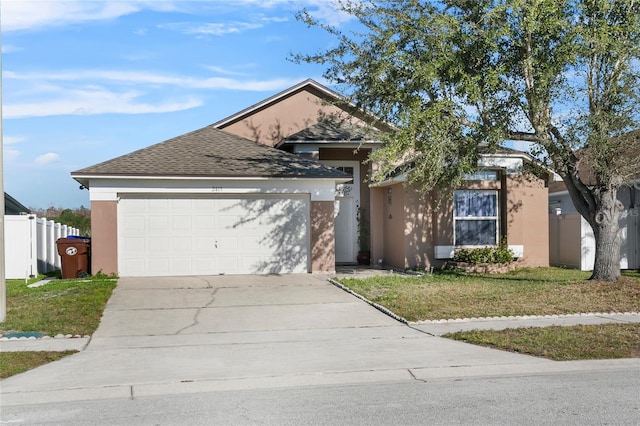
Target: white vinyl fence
30,245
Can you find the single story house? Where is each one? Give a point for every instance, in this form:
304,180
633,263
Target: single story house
282,186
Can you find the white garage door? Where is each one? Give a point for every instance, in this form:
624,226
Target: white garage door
172,235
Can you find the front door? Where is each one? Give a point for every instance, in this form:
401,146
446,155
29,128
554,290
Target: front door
346,212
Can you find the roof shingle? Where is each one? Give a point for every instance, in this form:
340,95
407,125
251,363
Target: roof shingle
210,152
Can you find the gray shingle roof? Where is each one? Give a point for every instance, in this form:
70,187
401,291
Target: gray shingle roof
210,152
333,130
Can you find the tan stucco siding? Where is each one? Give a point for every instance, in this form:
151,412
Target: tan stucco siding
428,222
393,217
104,237
289,115
418,234
527,218
377,224
323,258
443,221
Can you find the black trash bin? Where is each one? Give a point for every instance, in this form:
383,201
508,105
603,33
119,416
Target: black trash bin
75,254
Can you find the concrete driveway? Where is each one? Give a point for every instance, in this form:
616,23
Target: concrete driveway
193,334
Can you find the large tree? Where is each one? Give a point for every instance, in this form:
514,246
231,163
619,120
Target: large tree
460,76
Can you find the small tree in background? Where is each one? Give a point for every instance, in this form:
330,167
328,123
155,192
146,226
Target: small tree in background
454,76
78,218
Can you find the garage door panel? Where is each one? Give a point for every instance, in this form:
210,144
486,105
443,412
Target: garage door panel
160,264
183,245
204,265
228,265
181,223
226,244
155,204
134,225
201,235
205,223
156,245
157,223
134,244
135,267
204,245
182,204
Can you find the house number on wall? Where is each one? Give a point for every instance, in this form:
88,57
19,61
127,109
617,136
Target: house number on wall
216,189
71,251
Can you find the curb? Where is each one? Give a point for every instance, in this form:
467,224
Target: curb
523,317
364,299
33,338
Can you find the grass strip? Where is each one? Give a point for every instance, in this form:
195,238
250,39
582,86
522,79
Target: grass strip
12,363
59,307
534,291
579,342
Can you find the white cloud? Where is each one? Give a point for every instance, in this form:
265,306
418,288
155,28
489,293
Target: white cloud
92,92
49,157
327,12
151,78
9,154
92,101
34,15
8,48
11,140
211,28
221,70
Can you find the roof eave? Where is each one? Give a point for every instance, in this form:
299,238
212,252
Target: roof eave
84,179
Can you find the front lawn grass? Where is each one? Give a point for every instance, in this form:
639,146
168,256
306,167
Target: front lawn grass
605,341
59,307
533,291
18,362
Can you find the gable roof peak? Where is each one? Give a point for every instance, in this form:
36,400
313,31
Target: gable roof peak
323,90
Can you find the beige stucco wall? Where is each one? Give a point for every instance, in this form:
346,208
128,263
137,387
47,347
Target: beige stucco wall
323,257
419,227
393,219
419,222
376,222
104,237
288,115
528,218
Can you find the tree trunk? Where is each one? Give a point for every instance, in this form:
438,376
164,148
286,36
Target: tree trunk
606,231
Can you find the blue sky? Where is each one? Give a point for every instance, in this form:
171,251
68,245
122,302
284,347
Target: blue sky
86,81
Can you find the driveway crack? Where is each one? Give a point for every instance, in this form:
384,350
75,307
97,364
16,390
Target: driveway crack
198,311
414,376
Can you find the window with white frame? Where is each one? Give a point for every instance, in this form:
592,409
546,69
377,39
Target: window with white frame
475,217
482,175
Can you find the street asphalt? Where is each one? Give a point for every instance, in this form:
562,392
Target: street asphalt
184,335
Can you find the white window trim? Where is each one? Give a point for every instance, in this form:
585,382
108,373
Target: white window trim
496,218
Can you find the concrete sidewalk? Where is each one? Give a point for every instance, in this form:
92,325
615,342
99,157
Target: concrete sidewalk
435,328
162,336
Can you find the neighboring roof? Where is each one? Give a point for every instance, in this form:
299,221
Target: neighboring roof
209,152
12,206
333,130
309,83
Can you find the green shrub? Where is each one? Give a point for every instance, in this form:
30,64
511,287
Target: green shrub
484,255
